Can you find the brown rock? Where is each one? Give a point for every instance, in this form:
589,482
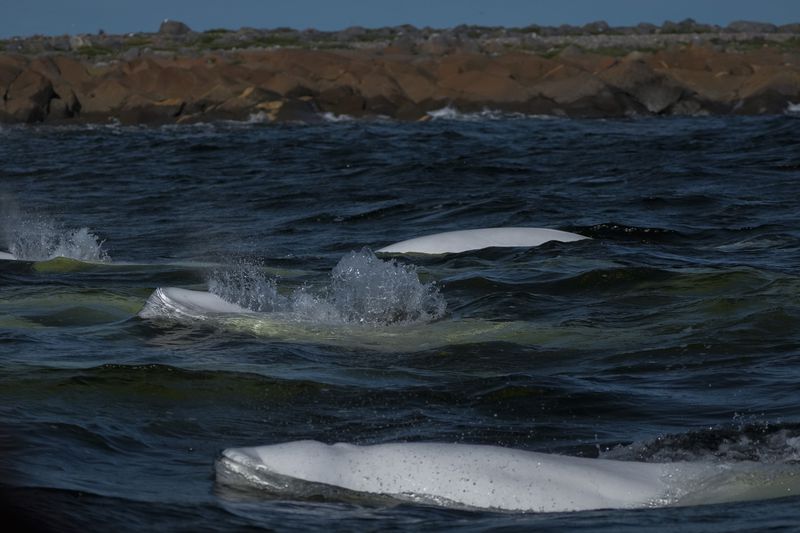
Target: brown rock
635,78
10,69
64,104
476,86
769,91
342,100
242,105
28,98
215,96
588,61
296,109
719,87
72,71
583,95
377,83
140,110
528,69
103,100
694,58
416,83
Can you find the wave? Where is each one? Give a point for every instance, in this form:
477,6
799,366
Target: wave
257,118
451,113
614,231
333,117
757,442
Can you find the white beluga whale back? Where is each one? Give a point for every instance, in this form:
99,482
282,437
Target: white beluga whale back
477,239
6,256
493,477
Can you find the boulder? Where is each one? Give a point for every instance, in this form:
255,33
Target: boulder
635,78
212,98
600,26
28,98
746,26
582,95
477,86
173,27
342,100
377,83
65,103
240,106
104,99
10,69
687,58
416,83
76,42
290,110
719,87
769,91
71,70
589,61
140,110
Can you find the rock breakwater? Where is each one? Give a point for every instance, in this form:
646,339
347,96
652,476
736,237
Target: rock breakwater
593,72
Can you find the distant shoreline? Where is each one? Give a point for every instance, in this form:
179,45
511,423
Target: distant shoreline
179,76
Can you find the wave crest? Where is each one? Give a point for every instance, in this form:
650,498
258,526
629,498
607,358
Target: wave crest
762,443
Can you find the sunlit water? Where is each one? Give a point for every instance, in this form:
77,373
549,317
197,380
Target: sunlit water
671,335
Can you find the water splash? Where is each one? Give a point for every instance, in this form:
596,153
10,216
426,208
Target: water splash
246,284
451,113
333,117
36,238
362,289
367,289
257,118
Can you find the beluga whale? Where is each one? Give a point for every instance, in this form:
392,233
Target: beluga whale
453,242
495,478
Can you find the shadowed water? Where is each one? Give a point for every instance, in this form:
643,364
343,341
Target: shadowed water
671,335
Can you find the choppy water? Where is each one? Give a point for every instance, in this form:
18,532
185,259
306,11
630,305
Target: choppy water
672,335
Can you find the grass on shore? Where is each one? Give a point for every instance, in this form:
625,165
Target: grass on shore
136,41
93,51
210,41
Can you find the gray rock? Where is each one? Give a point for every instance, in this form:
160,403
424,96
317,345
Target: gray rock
78,41
645,28
60,43
131,53
600,26
685,26
746,26
173,27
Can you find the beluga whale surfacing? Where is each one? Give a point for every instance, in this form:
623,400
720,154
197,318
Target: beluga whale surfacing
495,478
453,242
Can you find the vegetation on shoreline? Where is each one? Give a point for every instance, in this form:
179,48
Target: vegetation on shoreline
598,37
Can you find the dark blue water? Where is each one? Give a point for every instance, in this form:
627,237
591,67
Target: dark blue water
673,334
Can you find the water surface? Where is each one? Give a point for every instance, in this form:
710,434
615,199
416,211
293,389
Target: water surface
671,335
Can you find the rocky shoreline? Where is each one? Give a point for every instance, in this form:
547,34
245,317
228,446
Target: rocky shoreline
180,76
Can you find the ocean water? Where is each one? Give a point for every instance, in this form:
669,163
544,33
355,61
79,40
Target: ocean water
672,335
